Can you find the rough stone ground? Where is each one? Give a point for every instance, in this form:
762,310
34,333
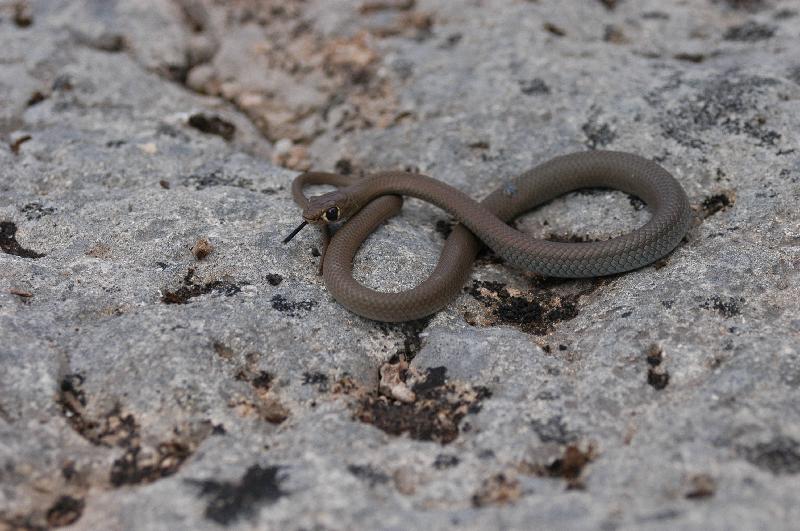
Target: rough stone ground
149,381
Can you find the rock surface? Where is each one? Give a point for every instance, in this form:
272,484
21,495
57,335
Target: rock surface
145,387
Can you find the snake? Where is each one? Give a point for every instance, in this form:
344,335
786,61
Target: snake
359,205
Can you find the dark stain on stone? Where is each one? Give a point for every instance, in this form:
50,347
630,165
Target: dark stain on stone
609,4
726,306
9,243
133,469
434,377
555,30
343,167
22,14
65,511
730,103
531,87
409,333
444,227
534,311
190,288
780,455
217,177
569,466
434,415
553,430
657,374
212,125
702,486
274,279
749,32
317,379
690,57
747,5
229,501
445,461
222,350
36,211
17,144
368,474
598,135
717,203
291,308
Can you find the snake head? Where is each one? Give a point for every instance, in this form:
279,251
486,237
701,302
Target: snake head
328,208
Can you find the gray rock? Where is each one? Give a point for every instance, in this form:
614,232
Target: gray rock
145,389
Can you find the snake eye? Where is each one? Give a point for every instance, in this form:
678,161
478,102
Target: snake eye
332,214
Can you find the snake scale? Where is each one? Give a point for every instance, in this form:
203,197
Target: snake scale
365,203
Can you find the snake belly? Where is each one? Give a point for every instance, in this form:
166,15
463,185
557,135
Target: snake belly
486,222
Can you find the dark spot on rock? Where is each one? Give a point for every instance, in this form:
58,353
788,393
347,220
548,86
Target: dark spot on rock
22,14
63,83
717,203
222,350
609,4
747,5
262,381
726,306
690,57
164,184
134,469
217,177
343,167
702,486
434,415
655,15
368,474
409,333
728,102
291,308
65,511
444,227
569,466
434,377
598,134
749,32
534,311
555,30
780,455
553,430
657,374
17,144
315,252
614,35
228,501
444,461
655,355
35,211
316,378
498,490
784,14
534,86
212,125
274,279
190,288
115,143
35,98
452,40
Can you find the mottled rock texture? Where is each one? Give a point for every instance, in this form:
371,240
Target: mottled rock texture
148,383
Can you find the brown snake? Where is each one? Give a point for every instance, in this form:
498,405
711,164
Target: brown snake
366,203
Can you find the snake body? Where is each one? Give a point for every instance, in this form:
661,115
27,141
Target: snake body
377,197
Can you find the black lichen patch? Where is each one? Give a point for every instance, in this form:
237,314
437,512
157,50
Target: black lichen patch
369,474
717,203
444,227
216,177
445,461
729,103
212,125
317,379
598,135
553,430
65,511
409,333
569,466
726,306
35,211
9,243
657,374
291,308
228,501
780,455
133,468
274,279
534,86
534,311
191,288
749,32
434,415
